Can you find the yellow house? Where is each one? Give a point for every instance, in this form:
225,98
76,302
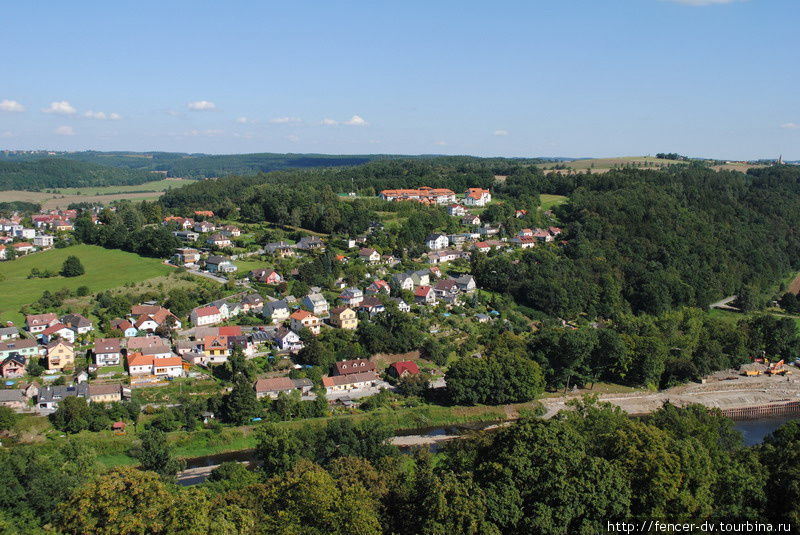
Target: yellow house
344,318
60,355
216,346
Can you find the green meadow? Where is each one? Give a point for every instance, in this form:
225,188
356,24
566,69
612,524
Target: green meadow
105,269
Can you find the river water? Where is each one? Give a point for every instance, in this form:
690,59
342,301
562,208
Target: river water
754,431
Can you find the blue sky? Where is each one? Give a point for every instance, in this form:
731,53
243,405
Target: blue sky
715,78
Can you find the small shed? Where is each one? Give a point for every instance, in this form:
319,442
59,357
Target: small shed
119,427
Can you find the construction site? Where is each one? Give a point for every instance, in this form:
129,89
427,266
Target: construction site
755,390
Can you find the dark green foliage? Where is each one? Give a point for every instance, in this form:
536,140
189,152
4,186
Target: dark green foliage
36,480
7,418
72,267
61,173
390,332
154,454
74,414
494,381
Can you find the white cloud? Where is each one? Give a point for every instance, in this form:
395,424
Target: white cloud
173,113
201,105
704,2
286,120
329,122
790,126
292,137
7,133
11,105
441,143
60,108
65,131
356,120
242,120
102,116
500,133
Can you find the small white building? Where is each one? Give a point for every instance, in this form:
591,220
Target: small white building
436,242
202,316
43,241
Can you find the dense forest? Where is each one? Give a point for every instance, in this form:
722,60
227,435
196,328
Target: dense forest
59,173
572,474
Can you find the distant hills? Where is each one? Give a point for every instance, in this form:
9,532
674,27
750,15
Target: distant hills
37,170
50,173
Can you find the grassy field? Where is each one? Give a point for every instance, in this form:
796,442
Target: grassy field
598,164
156,186
102,195
248,264
549,201
105,269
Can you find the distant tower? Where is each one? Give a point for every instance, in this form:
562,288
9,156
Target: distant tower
780,160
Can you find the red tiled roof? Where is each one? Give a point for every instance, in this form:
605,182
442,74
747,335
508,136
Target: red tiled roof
206,311
405,366
346,367
232,330
422,291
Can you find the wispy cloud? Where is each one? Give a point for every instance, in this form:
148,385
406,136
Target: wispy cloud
7,133
790,126
292,137
201,105
173,113
11,105
441,143
60,108
287,120
102,116
500,133
704,2
356,120
243,120
65,131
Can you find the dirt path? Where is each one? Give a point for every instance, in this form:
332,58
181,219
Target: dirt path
794,286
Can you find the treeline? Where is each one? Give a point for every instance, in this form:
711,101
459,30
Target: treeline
571,474
133,228
213,165
59,173
652,241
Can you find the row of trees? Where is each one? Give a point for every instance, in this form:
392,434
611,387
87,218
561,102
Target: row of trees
571,474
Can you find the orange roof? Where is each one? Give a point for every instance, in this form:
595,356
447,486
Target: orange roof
476,193
300,315
168,362
137,359
209,341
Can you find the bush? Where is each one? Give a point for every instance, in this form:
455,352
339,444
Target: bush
72,267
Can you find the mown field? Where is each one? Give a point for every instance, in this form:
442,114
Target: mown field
63,197
549,201
610,163
105,269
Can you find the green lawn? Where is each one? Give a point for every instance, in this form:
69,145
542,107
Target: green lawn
248,264
549,201
158,185
105,269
